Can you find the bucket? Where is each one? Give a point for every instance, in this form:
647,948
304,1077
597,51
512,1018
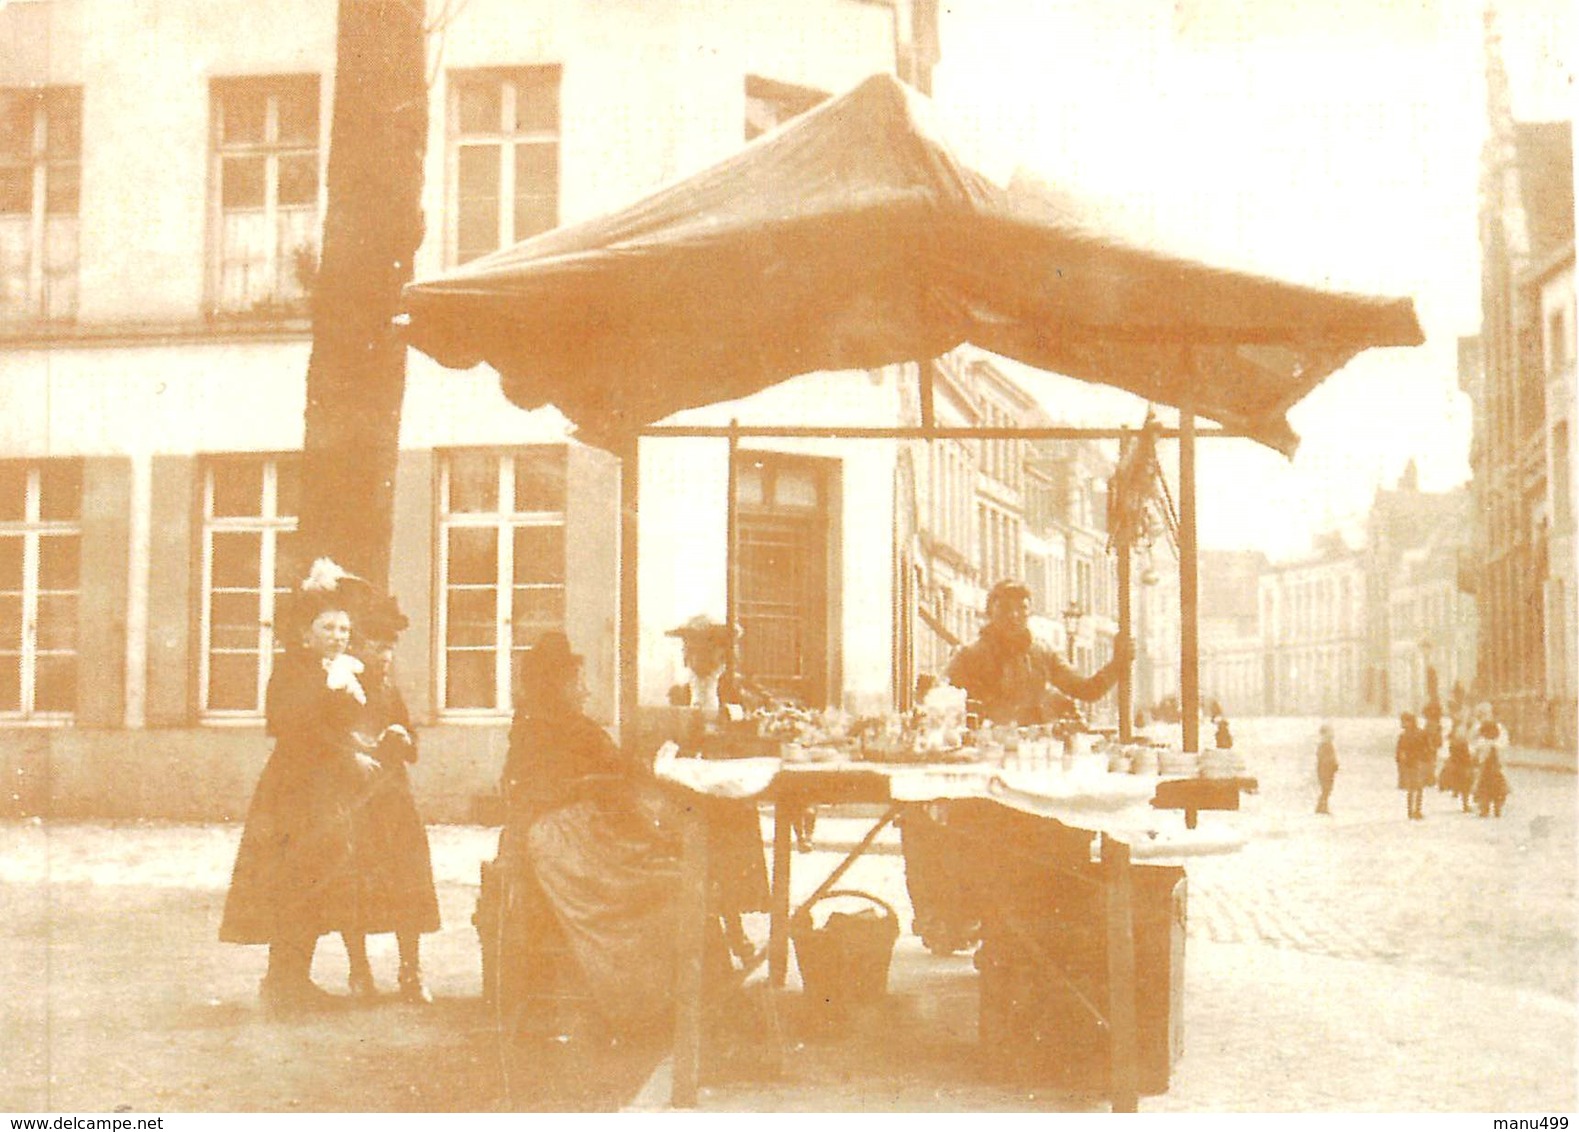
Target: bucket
847,959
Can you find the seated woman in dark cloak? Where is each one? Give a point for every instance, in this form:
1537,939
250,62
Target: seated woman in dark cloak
584,824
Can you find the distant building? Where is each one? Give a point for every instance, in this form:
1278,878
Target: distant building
1433,623
1413,539
1550,284
1313,631
1232,657
1519,377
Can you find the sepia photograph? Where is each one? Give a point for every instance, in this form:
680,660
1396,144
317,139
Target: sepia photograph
787,556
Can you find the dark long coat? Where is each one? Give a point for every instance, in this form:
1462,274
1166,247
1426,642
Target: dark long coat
295,877
394,868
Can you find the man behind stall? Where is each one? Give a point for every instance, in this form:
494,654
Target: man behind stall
1009,679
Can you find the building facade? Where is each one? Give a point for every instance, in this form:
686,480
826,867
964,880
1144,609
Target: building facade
1513,374
159,224
1550,287
1313,633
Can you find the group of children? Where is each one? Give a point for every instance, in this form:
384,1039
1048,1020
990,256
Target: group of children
1473,770
1474,762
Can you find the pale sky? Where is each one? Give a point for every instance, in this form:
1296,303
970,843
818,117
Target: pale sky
1333,142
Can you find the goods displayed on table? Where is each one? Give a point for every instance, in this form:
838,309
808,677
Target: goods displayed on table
938,731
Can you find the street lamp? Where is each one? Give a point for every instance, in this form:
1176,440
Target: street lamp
1072,615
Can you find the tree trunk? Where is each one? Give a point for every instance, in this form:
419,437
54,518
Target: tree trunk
356,377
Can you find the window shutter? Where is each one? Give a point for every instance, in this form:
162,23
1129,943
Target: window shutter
592,570
172,685
101,604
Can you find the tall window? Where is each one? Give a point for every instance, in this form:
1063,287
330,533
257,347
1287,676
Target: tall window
504,130
502,568
40,171
266,192
249,515
770,104
40,540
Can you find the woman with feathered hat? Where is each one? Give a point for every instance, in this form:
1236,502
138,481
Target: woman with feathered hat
295,877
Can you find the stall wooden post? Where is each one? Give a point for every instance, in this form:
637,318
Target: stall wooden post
1124,1071
732,538
778,936
1126,676
629,622
1189,639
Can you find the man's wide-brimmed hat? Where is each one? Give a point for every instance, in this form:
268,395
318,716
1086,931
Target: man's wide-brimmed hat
550,658
704,628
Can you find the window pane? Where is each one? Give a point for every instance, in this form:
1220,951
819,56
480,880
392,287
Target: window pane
290,566
536,189
242,182
748,485
244,113
236,558
474,482
61,187
10,683
61,486
540,479
233,681
58,557
16,124
57,622
287,487
478,106
535,611
477,224
55,685
16,189
233,620
795,489
10,564
471,619
238,488
63,122
299,179
537,101
298,110
540,554
468,679
473,556
10,622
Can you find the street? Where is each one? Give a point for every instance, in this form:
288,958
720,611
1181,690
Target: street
1356,962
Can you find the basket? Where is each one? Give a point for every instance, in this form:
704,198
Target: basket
847,959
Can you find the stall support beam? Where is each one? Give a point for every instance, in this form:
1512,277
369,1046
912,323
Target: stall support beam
778,941
1126,676
913,432
1189,576
732,540
629,621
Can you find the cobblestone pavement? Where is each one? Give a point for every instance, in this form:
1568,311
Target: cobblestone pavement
1356,962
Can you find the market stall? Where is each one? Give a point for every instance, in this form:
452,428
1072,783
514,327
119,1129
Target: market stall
856,237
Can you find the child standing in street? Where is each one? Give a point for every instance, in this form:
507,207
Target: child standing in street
1416,763
1326,767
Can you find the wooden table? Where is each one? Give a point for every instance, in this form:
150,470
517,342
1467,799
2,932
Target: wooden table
1105,805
